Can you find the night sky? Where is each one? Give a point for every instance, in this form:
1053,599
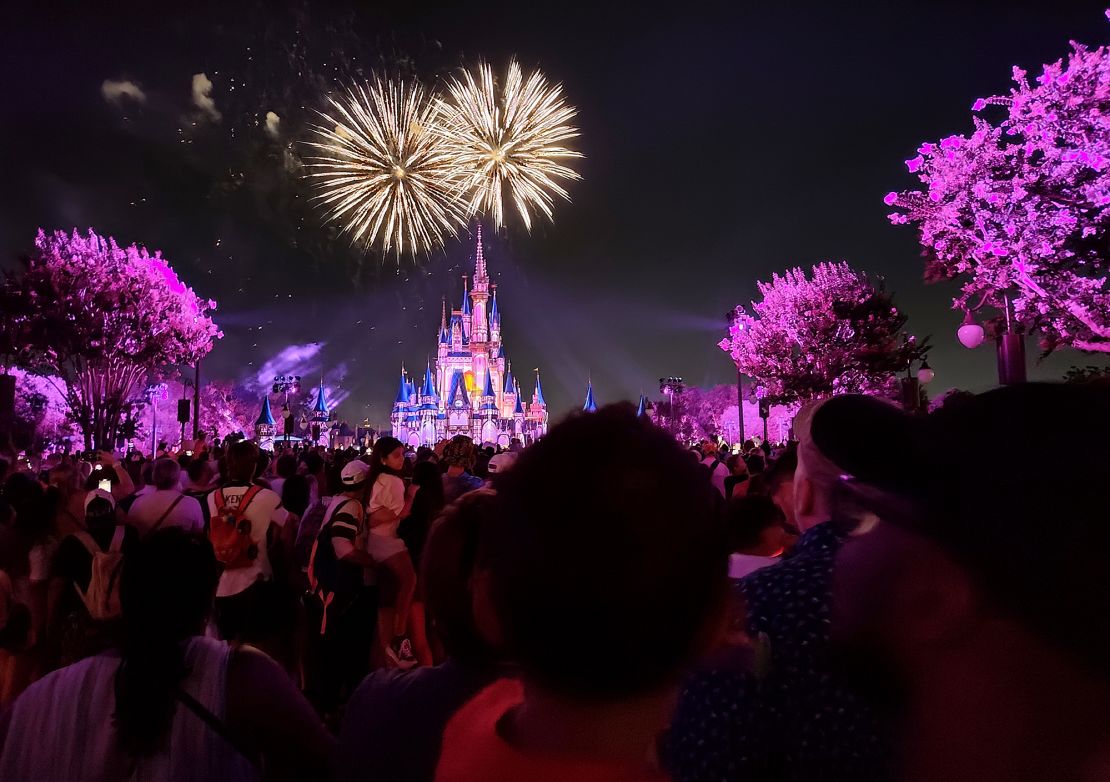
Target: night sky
721,143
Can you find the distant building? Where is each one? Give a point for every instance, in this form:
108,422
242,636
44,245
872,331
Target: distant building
470,389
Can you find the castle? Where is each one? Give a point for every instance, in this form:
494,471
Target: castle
471,389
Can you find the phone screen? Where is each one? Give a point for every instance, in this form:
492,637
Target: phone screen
104,485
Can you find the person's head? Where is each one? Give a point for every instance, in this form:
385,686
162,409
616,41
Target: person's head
166,474
167,585
756,463
285,465
242,462
754,524
200,473
354,478
66,479
958,568
295,494
146,473
100,509
387,456
427,476
447,575
425,454
459,453
313,462
645,587
816,478
778,483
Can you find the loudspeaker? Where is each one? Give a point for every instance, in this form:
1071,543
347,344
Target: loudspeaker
183,411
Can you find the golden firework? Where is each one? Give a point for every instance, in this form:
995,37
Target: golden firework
383,174
508,142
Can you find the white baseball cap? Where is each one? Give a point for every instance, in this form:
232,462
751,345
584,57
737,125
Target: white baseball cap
354,473
99,494
502,462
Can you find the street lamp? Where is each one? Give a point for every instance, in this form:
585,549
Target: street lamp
672,387
1010,344
153,392
925,373
732,316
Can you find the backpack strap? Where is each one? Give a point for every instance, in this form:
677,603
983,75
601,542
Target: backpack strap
250,494
221,500
214,723
117,539
169,510
87,541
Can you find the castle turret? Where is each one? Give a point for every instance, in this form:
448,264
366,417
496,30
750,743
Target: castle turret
591,405
479,321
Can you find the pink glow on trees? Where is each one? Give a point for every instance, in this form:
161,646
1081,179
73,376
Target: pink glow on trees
832,332
1022,207
99,317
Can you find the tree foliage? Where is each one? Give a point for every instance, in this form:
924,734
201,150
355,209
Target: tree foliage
831,332
100,317
1021,208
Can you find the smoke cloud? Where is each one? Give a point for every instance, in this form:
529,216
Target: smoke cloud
202,96
114,91
273,121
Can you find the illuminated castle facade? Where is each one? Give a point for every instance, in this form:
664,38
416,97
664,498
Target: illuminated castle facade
470,389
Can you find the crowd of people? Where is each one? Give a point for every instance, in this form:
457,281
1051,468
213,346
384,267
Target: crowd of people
886,597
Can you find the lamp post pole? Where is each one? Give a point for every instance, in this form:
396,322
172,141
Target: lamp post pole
731,316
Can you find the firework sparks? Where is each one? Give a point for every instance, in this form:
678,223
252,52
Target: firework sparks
383,174
509,141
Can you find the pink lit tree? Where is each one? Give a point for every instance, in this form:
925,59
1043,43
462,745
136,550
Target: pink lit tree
1020,209
832,332
100,317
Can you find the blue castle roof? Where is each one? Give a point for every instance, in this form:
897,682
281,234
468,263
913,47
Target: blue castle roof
429,387
510,388
265,417
641,409
591,405
321,404
458,391
488,389
466,300
519,409
539,391
494,313
402,392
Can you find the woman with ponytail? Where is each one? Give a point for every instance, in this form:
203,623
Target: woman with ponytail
170,703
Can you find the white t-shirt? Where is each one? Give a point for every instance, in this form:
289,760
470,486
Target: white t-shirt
740,565
148,508
265,509
388,493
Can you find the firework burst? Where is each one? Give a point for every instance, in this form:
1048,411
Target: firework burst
382,172
509,142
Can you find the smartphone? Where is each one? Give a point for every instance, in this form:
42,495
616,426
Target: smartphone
104,486
188,453
98,466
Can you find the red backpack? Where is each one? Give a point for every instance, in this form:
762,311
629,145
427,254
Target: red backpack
230,531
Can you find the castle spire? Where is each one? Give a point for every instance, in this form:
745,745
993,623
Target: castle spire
480,260
591,405
321,403
466,296
538,396
494,314
641,409
265,418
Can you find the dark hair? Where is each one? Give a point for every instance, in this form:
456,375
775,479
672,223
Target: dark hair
166,474
166,588
782,470
755,463
645,584
313,462
242,461
382,448
425,454
745,519
447,564
286,465
100,513
198,468
33,506
295,494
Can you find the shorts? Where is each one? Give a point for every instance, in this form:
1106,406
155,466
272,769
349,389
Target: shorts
382,547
